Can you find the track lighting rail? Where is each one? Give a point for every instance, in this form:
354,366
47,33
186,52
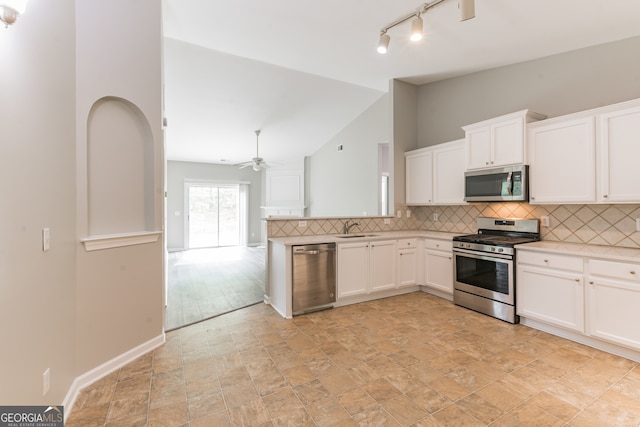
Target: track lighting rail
467,11
422,9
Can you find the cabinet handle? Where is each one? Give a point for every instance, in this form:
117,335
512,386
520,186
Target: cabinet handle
632,272
437,246
533,198
605,196
486,163
545,260
577,280
591,282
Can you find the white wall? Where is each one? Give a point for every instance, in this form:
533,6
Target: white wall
179,172
345,183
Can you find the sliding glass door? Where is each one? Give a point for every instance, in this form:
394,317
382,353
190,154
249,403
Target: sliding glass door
215,215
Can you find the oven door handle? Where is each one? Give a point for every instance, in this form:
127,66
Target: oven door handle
476,255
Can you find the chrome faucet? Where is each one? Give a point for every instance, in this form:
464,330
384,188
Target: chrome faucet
347,227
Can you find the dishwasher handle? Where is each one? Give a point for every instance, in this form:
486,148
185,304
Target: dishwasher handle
313,251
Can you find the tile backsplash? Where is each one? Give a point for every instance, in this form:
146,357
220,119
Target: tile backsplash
612,225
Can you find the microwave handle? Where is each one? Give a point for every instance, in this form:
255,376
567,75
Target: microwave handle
510,183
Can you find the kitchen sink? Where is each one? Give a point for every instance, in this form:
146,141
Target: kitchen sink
350,236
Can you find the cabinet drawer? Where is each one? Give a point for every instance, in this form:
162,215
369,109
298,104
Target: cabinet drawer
406,243
618,270
438,245
562,262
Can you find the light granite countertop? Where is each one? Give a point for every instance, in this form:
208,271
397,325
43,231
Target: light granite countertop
367,236
598,251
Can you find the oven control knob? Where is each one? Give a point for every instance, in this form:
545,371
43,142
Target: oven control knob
500,249
493,249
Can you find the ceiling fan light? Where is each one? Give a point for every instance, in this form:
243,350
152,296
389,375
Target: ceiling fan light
256,167
383,44
416,29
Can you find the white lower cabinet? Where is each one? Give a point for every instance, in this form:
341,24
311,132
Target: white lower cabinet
438,265
596,297
365,267
382,266
407,263
353,269
613,302
550,295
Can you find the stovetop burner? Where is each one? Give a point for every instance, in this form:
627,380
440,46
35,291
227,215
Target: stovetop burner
492,239
497,232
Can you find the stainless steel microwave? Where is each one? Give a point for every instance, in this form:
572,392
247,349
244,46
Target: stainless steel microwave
497,185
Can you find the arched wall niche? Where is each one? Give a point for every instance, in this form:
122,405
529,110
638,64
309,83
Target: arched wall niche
120,169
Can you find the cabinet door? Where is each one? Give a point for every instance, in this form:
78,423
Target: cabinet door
612,311
448,174
478,146
507,140
407,267
552,296
353,269
619,155
382,266
439,270
419,181
562,162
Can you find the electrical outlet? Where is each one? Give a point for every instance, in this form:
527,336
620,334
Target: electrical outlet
435,217
399,214
408,213
637,224
46,381
387,221
544,221
302,223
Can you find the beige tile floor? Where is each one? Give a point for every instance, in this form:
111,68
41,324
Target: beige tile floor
412,360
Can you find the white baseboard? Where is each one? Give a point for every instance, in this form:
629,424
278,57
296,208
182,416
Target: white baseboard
596,343
106,368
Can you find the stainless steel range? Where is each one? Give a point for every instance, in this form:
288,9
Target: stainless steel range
484,265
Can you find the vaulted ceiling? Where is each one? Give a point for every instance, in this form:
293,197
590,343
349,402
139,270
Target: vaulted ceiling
301,71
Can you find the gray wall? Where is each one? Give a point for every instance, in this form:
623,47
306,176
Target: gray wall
37,183
67,309
179,172
345,183
554,86
404,122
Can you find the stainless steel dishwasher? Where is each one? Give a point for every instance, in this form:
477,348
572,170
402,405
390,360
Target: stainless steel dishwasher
314,277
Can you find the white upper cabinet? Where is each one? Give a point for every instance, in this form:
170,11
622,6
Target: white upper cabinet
435,175
498,142
419,177
562,161
587,157
619,152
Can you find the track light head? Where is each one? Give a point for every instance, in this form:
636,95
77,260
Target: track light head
383,44
467,9
416,29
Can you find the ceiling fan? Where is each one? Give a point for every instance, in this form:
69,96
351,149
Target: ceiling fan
257,162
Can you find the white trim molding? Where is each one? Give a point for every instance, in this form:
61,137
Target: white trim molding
95,243
106,368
